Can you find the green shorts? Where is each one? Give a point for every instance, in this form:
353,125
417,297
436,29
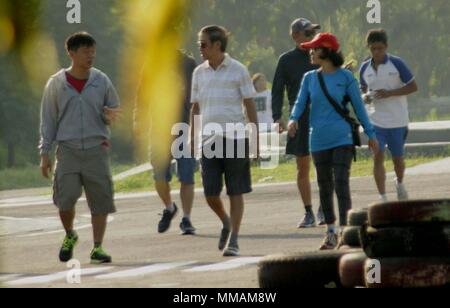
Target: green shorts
88,169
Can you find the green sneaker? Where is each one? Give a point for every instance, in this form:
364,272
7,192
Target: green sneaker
99,256
66,252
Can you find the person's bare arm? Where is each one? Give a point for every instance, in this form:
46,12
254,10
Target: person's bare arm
406,90
195,111
253,118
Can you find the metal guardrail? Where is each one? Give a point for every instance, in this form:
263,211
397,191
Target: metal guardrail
422,135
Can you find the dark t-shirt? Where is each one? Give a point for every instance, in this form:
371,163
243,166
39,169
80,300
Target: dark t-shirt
291,68
189,66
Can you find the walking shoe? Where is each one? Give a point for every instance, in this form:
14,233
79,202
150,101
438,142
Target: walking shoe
66,252
225,234
321,217
99,256
186,227
231,251
309,221
330,242
166,219
402,194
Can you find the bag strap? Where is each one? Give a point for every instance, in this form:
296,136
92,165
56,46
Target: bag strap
342,112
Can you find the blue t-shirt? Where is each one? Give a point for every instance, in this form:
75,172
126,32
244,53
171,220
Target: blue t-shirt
329,129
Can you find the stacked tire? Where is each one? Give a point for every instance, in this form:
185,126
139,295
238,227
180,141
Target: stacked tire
356,219
303,270
316,269
351,266
404,245
411,243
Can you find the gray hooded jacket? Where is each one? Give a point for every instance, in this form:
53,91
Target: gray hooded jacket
73,119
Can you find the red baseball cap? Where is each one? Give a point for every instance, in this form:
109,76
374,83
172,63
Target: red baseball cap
323,40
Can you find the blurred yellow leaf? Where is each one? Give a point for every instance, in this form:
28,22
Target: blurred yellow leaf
152,61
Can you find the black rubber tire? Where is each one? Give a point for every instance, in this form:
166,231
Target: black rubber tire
346,247
350,236
427,272
417,241
395,214
304,270
351,270
357,218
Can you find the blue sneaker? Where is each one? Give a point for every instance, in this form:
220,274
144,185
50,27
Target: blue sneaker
309,221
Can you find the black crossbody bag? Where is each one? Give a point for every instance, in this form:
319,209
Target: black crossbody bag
343,113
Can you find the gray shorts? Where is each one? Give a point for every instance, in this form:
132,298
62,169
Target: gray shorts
88,169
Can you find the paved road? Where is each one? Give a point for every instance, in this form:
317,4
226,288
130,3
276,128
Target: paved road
30,237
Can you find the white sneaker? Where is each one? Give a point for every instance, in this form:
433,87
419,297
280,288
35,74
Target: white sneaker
402,194
384,198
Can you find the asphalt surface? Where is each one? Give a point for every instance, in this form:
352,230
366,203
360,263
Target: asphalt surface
30,237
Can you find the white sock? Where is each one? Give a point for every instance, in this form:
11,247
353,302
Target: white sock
399,185
187,216
171,207
331,229
384,197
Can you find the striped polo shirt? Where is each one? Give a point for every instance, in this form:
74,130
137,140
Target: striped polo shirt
393,74
220,94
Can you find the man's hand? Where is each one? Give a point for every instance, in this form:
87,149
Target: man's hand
374,146
46,166
258,150
292,128
367,99
281,126
382,94
111,115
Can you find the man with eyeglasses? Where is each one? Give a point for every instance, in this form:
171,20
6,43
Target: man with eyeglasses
292,66
221,90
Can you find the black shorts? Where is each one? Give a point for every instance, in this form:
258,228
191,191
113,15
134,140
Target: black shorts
299,145
236,172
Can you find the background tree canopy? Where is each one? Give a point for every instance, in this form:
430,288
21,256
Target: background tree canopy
418,31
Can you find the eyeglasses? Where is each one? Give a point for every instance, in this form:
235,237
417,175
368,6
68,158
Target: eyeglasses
202,45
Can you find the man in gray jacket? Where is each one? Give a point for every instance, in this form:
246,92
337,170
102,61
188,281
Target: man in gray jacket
77,106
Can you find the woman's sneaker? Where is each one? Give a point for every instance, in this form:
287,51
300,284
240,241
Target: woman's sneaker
321,217
66,252
330,242
99,256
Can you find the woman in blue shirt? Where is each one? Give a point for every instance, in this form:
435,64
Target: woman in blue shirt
331,135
